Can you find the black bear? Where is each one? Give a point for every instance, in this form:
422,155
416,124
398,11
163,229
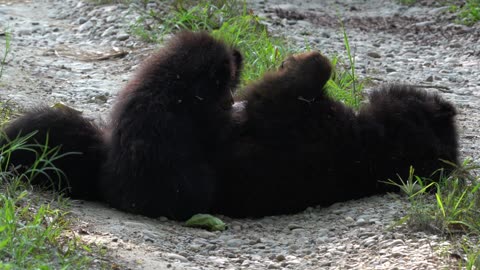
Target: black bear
402,126
79,155
166,126
289,151
176,146
294,146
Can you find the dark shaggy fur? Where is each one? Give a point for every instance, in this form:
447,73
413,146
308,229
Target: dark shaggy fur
403,126
289,152
175,146
77,137
166,126
295,147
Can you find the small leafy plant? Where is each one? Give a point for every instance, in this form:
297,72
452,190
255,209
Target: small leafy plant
345,84
470,12
453,209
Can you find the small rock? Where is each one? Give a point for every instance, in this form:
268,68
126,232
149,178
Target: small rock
110,31
81,20
205,234
434,11
374,55
123,36
298,231
389,70
280,258
394,243
273,266
111,19
429,79
349,219
360,222
24,32
425,23
178,257
85,27
234,243
397,251
293,226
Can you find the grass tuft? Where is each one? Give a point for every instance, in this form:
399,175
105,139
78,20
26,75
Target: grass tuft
231,21
453,209
345,84
261,51
33,234
469,13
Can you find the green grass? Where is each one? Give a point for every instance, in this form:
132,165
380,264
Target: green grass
344,84
34,233
453,209
469,13
192,15
231,21
228,20
261,52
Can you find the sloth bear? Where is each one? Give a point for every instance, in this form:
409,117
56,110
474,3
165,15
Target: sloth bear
166,126
177,145
296,147
80,152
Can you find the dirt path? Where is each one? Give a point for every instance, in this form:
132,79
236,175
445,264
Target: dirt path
55,55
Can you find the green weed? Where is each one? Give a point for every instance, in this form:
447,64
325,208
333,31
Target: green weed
33,234
452,209
469,13
261,51
345,84
229,20
193,15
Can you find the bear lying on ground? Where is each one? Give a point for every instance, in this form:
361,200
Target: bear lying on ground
297,147
288,153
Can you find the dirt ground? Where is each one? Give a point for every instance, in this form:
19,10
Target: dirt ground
80,54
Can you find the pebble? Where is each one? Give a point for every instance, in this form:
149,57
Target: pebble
374,55
123,36
389,70
234,243
174,256
85,27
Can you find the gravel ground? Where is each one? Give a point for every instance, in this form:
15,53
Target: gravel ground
72,52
